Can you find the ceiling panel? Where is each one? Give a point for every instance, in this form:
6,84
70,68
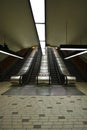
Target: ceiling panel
66,21
16,24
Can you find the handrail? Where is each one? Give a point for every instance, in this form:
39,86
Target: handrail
59,75
29,71
10,71
18,76
69,79
35,63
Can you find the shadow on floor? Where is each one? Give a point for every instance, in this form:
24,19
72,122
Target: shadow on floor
44,90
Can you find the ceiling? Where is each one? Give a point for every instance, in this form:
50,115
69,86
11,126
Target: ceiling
16,24
66,23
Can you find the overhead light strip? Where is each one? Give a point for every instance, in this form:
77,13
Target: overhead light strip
41,31
73,49
70,47
42,47
38,9
83,52
7,53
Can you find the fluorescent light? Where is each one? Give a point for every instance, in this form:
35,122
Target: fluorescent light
7,53
83,52
73,49
38,9
41,31
42,44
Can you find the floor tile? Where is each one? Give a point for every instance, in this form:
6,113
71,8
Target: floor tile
25,112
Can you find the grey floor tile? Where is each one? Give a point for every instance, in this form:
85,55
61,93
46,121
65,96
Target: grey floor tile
37,126
25,120
61,117
85,122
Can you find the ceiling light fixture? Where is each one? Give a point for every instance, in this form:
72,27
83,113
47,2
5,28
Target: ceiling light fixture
5,50
80,53
38,10
10,54
41,31
81,48
73,49
42,44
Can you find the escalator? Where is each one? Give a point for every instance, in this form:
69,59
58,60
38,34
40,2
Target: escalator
48,69
31,76
73,70
53,68
14,67
36,69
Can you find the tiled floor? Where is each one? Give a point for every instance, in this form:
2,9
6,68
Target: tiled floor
43,112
